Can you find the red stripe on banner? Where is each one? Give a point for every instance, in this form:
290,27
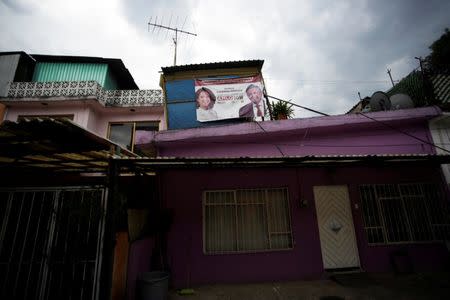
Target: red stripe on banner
205,82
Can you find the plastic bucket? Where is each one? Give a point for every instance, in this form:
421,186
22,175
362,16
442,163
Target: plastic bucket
153,286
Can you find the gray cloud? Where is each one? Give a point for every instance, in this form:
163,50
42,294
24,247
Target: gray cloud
317,53
19,6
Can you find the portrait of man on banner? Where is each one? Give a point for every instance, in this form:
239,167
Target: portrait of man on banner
256,106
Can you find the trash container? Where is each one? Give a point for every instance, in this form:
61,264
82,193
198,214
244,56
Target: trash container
153,286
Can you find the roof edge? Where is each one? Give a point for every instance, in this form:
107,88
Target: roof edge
296,124
258,63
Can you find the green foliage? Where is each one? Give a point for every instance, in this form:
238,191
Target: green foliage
412,86
440,52
282,110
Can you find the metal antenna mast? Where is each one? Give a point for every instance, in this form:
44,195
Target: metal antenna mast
175,39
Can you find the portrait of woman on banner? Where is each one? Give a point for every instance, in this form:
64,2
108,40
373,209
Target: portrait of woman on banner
205,100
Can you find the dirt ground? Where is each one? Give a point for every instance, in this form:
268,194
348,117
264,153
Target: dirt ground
348,286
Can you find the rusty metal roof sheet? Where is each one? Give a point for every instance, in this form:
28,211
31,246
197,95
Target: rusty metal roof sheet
216,65
154,163
55,145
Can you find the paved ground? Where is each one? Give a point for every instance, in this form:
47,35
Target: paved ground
360,286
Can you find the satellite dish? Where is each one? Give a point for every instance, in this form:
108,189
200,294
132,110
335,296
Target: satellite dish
379,101
401,101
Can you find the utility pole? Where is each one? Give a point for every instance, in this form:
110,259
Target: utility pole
424,94
175,39
390,76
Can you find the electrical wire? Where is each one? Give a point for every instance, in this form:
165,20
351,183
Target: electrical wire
404,132
282,154
312,145
373,119
304,107
295,144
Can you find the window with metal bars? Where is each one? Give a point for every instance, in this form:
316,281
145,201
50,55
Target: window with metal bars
236,221
401,213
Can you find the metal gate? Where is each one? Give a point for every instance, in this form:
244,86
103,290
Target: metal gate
51,242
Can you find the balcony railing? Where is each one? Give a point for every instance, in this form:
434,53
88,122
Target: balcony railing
84,89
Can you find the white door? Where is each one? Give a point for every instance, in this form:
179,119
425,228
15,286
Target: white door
336,229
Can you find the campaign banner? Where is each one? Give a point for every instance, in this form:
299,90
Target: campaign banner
229,98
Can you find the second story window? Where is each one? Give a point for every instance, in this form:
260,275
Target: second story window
133,135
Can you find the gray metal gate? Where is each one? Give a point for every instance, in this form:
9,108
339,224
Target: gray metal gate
51,242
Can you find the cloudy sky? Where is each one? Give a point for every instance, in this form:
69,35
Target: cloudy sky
318,54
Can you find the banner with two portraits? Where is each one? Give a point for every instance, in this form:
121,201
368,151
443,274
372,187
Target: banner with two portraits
229,98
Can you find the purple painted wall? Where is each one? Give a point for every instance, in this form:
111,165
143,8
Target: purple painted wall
140,254
345,134
185,245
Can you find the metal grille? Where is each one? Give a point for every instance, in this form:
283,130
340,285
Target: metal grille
76,89
246,220
396,213
50,243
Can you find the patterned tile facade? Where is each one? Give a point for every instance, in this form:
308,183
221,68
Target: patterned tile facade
83,89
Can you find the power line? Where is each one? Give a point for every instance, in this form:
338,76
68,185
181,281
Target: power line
282,154
404,132
310,109
298,144
330,80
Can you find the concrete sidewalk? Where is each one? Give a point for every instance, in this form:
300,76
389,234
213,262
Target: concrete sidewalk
351,286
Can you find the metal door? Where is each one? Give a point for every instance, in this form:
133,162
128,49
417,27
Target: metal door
50,243
336,229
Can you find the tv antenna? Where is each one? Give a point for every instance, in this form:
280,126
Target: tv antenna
174,39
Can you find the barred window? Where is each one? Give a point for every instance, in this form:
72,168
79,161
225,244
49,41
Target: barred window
396,213
246,220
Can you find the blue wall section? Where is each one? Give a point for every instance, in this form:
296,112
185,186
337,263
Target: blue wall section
182,115
181,106
180,90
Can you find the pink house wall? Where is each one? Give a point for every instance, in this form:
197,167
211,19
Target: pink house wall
88,114
154,114
79,111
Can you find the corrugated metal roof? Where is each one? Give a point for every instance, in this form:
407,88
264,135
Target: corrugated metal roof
124,79
51,72
441,85
216,65
152,164
54,145
17,52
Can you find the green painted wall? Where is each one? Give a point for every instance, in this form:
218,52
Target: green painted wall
110,81
47,71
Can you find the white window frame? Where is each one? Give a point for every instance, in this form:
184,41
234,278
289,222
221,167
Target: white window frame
133,132
267,216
